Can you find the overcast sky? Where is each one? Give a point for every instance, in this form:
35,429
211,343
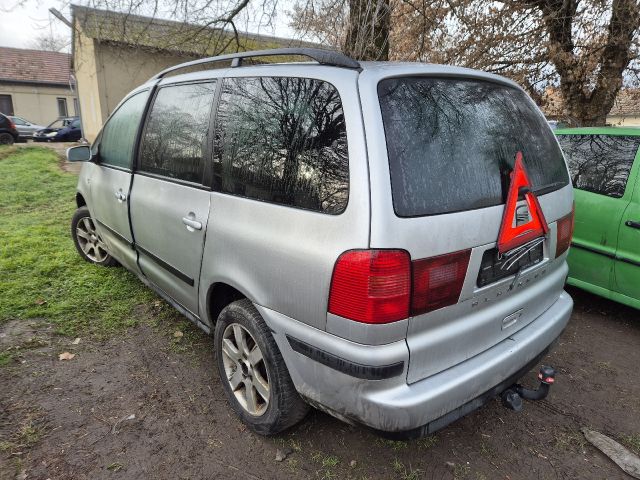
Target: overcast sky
22,21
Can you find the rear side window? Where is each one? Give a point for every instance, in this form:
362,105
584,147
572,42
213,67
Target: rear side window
452,143
283,140
175,137
119,134
600,163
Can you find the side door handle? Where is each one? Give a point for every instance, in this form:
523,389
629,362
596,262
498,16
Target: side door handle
632,224
191,223
120,196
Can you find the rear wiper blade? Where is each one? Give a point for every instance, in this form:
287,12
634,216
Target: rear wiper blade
550,187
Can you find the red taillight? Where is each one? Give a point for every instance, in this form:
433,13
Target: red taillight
11,124
437,281
565,232
371,286
377,286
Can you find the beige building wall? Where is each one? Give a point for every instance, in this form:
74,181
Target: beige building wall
38,104
85,71
624,121
123,68
106,72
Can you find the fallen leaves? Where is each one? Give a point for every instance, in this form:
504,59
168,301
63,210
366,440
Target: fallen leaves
76,341
66,356
178,334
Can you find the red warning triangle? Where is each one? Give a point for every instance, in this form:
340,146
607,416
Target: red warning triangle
513,234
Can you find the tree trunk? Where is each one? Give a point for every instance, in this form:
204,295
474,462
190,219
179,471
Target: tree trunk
368,30
586,104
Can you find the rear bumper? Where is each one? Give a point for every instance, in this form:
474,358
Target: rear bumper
389,404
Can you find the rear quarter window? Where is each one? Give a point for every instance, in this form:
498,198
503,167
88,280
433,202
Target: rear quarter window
452,143
600,163
283,140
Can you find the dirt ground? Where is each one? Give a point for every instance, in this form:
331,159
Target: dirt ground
143,405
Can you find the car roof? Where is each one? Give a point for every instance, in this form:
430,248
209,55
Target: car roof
626,131
370,70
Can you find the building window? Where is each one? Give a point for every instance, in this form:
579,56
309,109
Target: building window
62,107
6,104
76,107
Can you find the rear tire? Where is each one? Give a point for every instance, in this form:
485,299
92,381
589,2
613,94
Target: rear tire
6,139
87,240
252,371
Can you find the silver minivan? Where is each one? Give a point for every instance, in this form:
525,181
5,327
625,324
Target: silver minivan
337,226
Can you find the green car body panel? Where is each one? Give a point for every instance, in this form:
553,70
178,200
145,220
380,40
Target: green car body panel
605,254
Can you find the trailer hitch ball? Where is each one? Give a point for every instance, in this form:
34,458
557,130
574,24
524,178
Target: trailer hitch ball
547,375
512,397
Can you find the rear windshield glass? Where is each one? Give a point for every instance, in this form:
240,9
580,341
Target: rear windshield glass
452,143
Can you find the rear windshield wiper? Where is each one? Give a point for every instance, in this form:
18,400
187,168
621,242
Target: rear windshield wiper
544,189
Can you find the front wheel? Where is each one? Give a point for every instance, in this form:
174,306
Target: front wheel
87,240
252,371
6,139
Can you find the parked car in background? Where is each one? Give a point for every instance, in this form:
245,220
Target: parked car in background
25,128
327,223
605,165
8,132
62,130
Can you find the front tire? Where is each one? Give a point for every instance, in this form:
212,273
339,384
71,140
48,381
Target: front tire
6,139
88,242
252,371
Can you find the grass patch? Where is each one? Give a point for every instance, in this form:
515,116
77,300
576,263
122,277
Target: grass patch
403,472
43,275
428,442
395,445
5,358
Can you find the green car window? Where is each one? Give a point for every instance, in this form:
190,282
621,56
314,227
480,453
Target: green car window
600,163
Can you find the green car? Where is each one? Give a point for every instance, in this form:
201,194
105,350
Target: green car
605,255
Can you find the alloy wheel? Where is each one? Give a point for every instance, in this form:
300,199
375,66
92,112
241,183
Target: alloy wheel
90,242
245,369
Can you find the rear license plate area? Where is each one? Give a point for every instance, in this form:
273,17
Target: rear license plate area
493,265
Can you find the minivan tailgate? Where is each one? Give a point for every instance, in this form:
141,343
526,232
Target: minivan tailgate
443,338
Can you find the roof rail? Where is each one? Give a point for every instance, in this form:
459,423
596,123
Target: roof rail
323,57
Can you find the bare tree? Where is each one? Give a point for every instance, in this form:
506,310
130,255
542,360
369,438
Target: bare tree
50,43
585,48
206,27
360,28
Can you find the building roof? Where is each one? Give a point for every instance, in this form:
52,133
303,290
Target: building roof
626,104
20,65
168,35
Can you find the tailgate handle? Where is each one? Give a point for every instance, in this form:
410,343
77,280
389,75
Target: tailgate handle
511,320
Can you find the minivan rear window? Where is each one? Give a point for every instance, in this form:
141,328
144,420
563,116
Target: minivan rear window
452,143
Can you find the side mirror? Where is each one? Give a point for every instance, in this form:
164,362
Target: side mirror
81,153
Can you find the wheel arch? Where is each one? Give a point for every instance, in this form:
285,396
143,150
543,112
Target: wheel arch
219,295
80,201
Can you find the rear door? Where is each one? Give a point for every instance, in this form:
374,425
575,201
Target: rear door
111,179
439,193
627,264
599,165
170,202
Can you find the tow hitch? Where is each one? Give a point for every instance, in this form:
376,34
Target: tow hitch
512,396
